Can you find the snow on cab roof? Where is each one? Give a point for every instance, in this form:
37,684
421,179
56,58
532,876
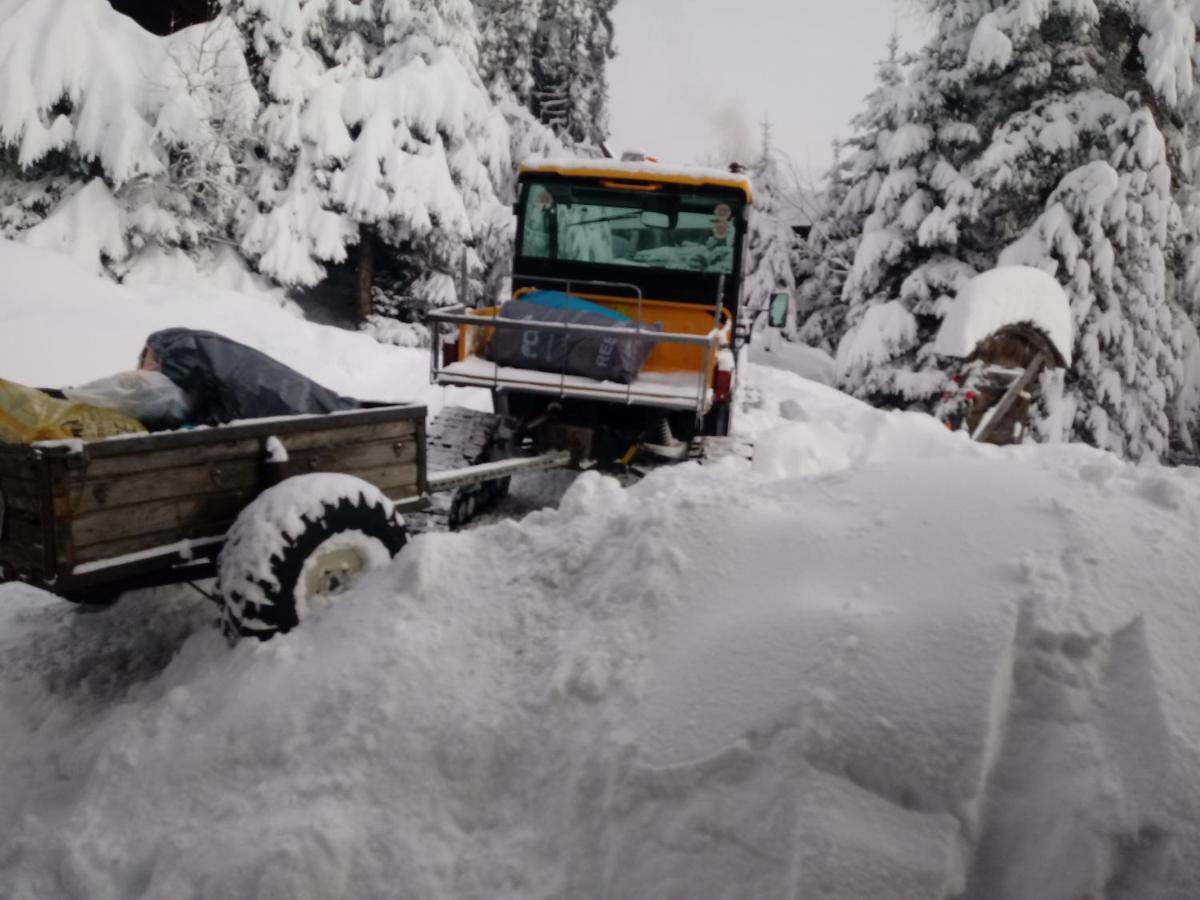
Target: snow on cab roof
644,171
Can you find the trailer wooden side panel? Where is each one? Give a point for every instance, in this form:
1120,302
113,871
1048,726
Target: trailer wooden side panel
90,512
25,536
132,502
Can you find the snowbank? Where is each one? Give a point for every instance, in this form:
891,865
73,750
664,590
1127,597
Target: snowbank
61,324
911,667
771,349
1007,295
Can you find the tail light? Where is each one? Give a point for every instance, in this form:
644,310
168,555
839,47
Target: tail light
723,385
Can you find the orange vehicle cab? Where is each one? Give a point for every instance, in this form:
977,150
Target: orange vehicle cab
659,245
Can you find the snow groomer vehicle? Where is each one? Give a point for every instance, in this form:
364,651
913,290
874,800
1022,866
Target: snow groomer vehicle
623,332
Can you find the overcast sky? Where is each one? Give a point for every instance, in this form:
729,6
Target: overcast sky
694,78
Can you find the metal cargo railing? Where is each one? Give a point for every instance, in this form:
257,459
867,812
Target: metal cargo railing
637,392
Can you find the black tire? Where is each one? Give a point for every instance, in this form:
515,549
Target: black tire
360,520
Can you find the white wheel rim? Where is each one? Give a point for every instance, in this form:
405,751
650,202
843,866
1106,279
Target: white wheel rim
335,567
333,572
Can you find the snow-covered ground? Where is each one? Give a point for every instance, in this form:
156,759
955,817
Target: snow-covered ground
878,662
770,349
61,324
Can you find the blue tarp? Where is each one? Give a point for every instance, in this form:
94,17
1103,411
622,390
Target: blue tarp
559,300
606,357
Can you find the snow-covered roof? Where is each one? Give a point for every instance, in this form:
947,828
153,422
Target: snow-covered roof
643,171
1006,295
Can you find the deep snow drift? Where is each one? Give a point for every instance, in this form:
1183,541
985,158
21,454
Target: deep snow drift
879,662
895,665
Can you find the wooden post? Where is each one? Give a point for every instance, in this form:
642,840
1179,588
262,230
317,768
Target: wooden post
1001,409
464,284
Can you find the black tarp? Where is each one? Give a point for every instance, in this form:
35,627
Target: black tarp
605,357
231,381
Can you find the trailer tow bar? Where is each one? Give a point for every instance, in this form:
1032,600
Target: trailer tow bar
453,479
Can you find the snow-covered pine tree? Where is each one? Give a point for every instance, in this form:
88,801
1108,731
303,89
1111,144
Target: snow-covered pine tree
529,140
1112,87
206,122
852,185
825,257
571,49
507,31
909,261
771,252
1107,229
506,34
1057,131
113,139
375,118
601,47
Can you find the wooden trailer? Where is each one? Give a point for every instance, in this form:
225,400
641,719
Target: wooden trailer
89,520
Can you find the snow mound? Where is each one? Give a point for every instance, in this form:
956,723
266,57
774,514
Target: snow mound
910,667
1007,295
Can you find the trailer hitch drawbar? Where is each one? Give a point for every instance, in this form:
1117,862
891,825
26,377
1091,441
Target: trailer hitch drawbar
453,479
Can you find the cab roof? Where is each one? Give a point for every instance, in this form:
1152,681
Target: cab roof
641,172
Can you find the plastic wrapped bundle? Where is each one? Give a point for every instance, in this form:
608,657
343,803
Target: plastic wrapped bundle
28,415
150,397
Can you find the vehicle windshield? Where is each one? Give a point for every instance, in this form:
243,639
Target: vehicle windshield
628,227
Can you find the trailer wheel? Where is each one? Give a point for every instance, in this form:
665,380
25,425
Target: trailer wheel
298,546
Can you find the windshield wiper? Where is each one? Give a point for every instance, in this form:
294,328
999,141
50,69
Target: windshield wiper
632,215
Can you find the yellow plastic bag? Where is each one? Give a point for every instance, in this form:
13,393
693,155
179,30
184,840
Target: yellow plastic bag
28,415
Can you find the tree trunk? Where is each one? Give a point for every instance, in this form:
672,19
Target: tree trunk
363,306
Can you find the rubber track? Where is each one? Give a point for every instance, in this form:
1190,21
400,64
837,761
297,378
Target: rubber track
460,437
457,437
